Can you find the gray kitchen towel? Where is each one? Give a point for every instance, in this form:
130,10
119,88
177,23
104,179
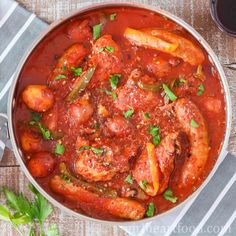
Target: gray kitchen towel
211,211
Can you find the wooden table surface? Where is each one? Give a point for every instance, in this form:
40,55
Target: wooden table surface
194,12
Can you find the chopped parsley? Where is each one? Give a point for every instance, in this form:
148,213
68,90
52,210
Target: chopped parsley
143,184
179,81
45,132
97,31
114,79
193,123
108,92
96,126
113,16
60,76
63,68
129,179
66,178
107,48
201,89
150,209
93,149
169,93
155,132
36,117
128,113
147,115
77,71
60,149
156,140
168,195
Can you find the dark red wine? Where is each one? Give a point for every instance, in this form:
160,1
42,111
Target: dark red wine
224,13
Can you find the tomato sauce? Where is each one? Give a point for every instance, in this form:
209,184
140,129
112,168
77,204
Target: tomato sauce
122,138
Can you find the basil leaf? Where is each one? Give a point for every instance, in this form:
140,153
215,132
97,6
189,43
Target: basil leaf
193,123
128,113
169,93
150,209
60,149
114,79
129,179
168,195
143,184
60,76
77,71
97,31
201,89
113,16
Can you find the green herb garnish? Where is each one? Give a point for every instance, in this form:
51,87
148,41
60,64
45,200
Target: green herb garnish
109,49
128,113
108,92
129,179
114,79
96,126
168,195
113,16
63,68
143,184
97,31
93,149
77,71
150,209
179,81
60,149
201,89
147,115
45,132
65,177
156,139
20,211
155,132
36,117
193,123
60,76
169,93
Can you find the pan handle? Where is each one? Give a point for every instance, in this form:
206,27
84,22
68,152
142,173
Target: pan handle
4,135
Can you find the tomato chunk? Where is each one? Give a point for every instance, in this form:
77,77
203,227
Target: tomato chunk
41,164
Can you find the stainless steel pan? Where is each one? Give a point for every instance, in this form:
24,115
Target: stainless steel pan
11,104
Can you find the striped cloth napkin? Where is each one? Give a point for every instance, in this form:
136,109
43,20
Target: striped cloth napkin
211,211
